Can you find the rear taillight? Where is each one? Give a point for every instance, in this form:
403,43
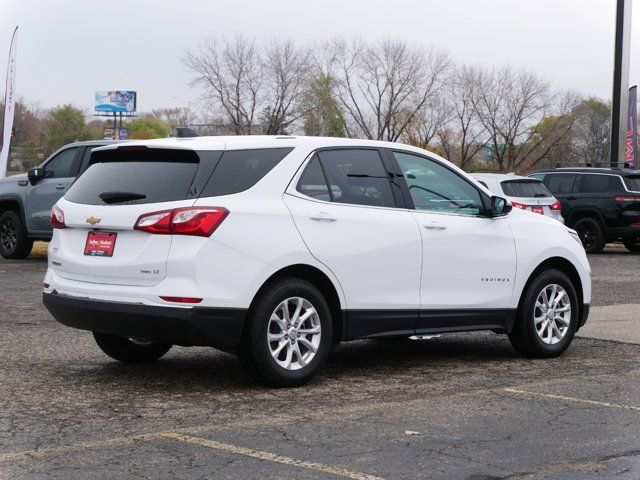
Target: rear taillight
521,206
57,217
627,198
556,206
156,222
197,221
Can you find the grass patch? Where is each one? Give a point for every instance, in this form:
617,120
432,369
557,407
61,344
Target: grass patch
39,250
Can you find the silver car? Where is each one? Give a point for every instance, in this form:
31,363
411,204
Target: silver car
524,192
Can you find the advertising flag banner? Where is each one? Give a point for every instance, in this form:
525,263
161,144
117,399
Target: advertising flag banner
631,146
9,105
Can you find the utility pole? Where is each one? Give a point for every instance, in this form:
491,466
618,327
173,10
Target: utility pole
620,83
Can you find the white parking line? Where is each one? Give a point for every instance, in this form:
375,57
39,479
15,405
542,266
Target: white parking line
572,399
272,457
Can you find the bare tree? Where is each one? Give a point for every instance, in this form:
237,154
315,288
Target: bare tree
383,87
511,106
231,74
432,118
287,72
174,116
464,136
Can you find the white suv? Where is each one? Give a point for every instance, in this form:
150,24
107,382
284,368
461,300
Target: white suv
525,193
278,246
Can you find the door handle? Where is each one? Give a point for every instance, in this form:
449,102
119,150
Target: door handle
60,187
322,217
435,226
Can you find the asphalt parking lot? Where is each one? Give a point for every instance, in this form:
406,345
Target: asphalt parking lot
456,406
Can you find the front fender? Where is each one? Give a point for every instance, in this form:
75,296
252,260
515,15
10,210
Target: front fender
539,239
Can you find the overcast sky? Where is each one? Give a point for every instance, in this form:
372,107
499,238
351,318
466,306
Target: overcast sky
68,49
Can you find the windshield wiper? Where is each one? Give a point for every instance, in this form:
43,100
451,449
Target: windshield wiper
120,197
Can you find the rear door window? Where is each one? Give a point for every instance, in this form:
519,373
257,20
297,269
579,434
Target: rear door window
239,170
525,189
313,183
592,183
560,183
127,177
356,176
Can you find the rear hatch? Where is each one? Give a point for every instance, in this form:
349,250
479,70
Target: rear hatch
630,202
532,195
99,243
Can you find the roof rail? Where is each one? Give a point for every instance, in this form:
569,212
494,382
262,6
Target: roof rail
598,164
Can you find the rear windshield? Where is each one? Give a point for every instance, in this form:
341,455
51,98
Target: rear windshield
126,177
525,189
239,170
633,183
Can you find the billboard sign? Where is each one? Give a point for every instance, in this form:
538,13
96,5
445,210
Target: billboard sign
115,101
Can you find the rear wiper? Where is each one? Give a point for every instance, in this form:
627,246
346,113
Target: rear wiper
538,195
120,197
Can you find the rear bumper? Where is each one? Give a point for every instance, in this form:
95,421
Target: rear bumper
204,326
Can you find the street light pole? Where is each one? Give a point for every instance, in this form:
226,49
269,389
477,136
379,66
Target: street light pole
620,83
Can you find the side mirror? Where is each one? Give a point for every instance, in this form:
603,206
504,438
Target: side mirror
35,174
500,207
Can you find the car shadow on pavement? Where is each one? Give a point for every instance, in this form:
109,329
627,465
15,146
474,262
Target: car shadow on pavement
190,370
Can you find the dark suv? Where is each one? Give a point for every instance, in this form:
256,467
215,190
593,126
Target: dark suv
601,204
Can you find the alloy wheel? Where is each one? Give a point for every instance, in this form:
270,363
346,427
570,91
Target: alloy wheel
293,333
552,314
588,235
8,234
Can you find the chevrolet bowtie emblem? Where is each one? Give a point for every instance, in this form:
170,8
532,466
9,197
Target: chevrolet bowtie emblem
93,220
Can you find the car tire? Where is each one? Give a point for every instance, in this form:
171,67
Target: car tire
14,243
542,330
288,360
591,234
632,244
128,350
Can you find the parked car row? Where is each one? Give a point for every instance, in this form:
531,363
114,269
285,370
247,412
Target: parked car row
601,204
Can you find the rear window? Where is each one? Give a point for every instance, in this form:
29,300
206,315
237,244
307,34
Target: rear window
633,183
239,170
126,177
525,189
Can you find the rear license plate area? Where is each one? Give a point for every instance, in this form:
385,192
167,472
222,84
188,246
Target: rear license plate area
539,210
100,244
